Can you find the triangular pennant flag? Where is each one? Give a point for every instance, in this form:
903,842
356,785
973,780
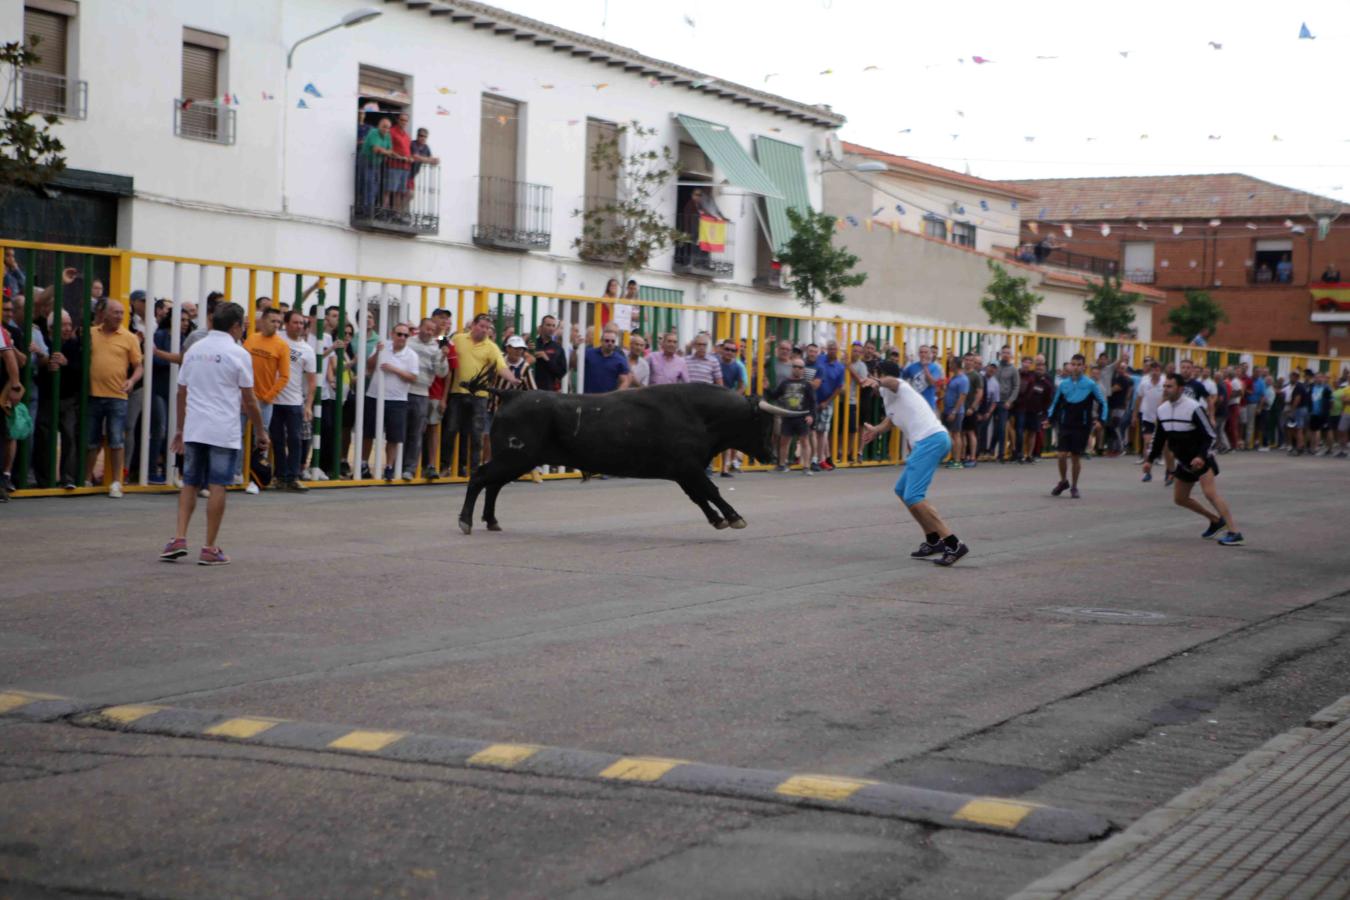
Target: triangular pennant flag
1106,230
895,227
302,104
1304,34
900,208
1068,230
984,205
442,111
1041,214
1215,223
852,220
1177,229
878,210
1143,226
267,96
980,60
868,224
312,90
1014,204
1033,228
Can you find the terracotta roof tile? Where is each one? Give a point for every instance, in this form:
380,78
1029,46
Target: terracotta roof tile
904,163
1168,197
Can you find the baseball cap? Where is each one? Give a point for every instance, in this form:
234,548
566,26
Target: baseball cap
516,340
137,295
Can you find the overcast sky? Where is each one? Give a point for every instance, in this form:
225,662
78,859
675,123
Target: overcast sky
1172,85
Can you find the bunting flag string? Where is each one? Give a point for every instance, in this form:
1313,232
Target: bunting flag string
312,90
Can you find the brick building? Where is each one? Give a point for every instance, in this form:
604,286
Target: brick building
1260,249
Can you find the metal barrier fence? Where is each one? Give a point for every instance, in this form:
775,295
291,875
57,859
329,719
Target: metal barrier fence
371,306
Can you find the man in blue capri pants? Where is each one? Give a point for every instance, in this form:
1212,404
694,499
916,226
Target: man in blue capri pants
929,443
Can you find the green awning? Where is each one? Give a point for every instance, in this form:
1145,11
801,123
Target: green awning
783,163
731,160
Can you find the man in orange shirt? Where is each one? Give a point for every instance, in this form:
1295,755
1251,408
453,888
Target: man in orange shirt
114,369
271,366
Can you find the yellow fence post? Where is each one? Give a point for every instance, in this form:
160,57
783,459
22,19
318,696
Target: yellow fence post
119,276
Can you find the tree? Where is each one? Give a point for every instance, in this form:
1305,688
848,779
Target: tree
1006,300
817,269
1198,313
628,229
30,155
1110,310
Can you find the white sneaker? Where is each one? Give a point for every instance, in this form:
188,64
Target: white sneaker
204,493
177,480
239,479
252,488
316,474
115,490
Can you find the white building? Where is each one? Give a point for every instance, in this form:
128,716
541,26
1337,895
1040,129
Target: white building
268,174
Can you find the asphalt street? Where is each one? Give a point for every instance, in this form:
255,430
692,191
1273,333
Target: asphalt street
1092,655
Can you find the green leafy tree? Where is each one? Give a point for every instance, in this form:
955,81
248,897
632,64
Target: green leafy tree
1198,313
818,270
1110,310
1006,300
30,155
628,229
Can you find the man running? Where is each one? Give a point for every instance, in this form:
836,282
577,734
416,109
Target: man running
1184,426
907,409
1071,411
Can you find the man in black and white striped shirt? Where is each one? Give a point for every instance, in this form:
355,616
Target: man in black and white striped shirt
1184,427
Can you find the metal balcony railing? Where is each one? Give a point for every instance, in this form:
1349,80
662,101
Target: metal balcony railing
397,195
53,95
203,120
513,215
1141,276
1266,274
701,256
1096,264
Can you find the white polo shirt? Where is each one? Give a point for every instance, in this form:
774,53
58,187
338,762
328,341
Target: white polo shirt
911,413
214,370
395,388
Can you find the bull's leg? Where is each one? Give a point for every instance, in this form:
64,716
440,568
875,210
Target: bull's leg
715,497
489,476
490,495
694,485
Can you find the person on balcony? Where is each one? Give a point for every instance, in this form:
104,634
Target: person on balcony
1284,270
1331,274
421,156
396,175
377,146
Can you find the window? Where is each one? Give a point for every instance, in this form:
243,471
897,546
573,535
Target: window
1139,262
1267,257
1305,347
600,183
200,114
512,215
47,86
963,233
935,227
389,90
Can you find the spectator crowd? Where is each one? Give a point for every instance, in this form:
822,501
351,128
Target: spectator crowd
416,412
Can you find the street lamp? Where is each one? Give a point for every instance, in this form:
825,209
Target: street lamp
869,165
350,20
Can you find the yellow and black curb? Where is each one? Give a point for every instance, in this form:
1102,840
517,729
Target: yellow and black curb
831,792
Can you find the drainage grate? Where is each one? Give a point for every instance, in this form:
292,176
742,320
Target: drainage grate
1106,614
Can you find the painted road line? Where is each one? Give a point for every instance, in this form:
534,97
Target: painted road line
242,728
640,768
503,756
822,787
837,793
367,741
11,700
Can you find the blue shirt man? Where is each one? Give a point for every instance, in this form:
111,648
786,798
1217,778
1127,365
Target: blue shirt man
1073,400
924,375
606,368
957,385
830,372
733,370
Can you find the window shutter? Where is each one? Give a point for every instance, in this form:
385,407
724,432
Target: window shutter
373,82
50,29
498,139
199,72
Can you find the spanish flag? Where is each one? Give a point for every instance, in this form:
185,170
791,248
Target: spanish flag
1331,299
712,234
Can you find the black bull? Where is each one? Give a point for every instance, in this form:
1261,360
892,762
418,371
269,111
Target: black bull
667,431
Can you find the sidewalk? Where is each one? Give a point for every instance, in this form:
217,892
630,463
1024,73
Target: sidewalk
1274,824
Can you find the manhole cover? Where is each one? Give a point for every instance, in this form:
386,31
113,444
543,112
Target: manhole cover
1106,614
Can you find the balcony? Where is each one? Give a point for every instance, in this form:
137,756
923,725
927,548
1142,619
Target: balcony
513,215
1267,275
53,95
772,277
601,231
1079,262
203,120
397,195
701,253
1141,276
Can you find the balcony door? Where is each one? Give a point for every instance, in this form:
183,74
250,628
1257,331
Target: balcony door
44,82
498,163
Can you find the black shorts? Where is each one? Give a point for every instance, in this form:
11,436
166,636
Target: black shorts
1073,441
1318,423
971,422
1148,427
794,427
1190,476
395,420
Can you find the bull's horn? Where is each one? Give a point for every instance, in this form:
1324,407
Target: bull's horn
779,411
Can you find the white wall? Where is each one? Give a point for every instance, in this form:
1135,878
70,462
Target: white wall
225,202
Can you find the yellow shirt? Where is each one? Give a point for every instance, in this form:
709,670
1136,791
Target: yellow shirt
111,359
271,364
474,358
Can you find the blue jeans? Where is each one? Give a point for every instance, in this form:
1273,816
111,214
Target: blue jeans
110,414
286,441
207,464
997,439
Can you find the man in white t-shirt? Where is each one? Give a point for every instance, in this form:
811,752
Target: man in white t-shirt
1147,398
907,409
214,381
294,406
395,370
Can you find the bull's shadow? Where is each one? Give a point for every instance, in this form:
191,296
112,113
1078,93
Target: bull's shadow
668,431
